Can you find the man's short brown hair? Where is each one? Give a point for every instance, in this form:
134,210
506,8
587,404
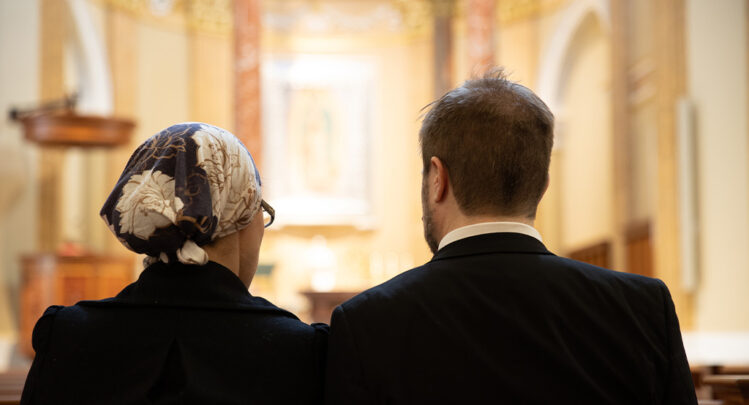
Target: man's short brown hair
495,138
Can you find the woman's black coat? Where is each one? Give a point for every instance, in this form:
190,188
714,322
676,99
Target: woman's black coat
179,335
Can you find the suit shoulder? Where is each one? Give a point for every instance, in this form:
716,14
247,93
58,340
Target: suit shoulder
610,277
389,290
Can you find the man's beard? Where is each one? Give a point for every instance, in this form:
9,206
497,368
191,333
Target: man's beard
426,218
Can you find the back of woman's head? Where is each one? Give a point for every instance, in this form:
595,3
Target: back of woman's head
182,189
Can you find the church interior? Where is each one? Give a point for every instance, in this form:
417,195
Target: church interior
649,171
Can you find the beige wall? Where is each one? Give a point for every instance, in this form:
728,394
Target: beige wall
644,147
518,50
717,84
211,61
19,36
163,86
585,140
643,116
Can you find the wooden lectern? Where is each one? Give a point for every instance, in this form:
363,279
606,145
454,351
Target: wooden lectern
51,279
64,279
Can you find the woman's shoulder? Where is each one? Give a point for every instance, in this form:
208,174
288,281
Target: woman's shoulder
43,328
105,318
291,319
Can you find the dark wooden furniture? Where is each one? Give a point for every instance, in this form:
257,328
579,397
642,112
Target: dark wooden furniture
71,129
50,279
735,369
322,304
639,249
699,373
731,389
597,255
704,383
11,386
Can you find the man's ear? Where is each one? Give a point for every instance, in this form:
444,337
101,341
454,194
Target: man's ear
439,178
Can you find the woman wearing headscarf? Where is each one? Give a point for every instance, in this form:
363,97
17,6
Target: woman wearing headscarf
187,331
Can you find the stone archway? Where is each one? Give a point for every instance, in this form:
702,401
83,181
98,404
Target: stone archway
570,38
554,53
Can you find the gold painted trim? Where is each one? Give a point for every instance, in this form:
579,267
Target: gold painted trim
512,11
204,16
326,43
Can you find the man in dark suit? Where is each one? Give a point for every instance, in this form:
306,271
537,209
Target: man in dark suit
495,317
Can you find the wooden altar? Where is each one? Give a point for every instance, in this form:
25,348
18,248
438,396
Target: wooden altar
322,304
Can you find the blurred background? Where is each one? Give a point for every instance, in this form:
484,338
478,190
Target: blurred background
649,171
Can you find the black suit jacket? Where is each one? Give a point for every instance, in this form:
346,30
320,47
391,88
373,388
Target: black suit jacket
496,318
179,335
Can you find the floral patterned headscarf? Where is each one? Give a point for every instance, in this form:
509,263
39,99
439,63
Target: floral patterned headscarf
181,189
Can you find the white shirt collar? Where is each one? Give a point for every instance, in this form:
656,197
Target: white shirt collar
488,227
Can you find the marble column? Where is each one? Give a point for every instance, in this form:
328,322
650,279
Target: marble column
247,76
480,35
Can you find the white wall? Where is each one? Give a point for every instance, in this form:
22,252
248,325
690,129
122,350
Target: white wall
19,73
717,84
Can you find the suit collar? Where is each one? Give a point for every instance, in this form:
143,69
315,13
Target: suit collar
187,286
499,242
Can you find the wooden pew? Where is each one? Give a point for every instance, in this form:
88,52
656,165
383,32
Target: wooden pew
699,373
731,389
712,390
734,370
11,386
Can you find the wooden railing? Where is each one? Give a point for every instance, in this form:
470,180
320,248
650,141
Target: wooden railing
597,255
639,249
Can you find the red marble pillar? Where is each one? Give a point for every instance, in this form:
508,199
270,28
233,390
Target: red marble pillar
443,43
247,76
480,35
